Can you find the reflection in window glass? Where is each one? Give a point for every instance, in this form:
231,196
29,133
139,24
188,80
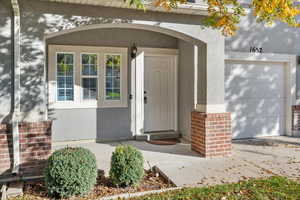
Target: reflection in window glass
89,86
112,77
65,76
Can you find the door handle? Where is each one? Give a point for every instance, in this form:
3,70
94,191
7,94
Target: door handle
145,97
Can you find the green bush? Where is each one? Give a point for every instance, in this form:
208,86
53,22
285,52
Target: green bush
127,166
70,172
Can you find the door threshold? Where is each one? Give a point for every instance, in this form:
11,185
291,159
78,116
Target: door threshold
158,135
160,132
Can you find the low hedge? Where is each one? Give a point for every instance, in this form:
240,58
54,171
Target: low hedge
70,172
127,166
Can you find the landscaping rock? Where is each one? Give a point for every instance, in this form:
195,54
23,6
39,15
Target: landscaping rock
15,189
3,192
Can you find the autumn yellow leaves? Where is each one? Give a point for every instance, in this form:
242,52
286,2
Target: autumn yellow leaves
225,15
277,10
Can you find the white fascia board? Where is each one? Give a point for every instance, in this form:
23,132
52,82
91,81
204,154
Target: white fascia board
198,8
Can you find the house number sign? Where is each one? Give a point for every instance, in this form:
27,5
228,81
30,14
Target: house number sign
254,49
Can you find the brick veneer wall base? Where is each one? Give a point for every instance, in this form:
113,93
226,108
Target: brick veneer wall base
35,147
211,134
296,118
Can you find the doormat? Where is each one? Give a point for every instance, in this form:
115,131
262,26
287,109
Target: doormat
164,141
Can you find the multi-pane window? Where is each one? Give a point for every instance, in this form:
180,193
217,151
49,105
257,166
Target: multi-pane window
65,76
89,75
112,77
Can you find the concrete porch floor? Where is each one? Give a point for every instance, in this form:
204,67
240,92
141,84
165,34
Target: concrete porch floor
250,159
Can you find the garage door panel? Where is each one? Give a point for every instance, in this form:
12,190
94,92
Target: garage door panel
254,107
255,95
248,127
248,88
257,70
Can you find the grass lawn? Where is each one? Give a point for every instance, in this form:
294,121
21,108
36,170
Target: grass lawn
274,188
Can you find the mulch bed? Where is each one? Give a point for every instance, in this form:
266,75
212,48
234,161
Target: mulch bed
152,181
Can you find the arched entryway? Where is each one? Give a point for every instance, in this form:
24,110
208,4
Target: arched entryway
199,79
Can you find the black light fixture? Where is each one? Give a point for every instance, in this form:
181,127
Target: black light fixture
133,51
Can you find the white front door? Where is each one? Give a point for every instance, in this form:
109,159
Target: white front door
159,93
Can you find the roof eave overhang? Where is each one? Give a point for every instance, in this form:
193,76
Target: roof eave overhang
188,8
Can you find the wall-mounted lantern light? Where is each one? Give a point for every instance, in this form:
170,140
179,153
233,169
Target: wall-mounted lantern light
133,51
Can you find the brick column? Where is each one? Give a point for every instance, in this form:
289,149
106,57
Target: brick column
211,134
5,149
296,120
35,147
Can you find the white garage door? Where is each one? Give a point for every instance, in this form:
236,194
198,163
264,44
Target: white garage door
255,95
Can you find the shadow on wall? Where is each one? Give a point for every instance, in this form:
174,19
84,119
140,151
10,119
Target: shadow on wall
35,24
5,68
259,117
255,95
32,167
278,38
41,17
264,111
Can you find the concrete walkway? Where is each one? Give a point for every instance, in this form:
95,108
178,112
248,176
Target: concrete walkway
250,159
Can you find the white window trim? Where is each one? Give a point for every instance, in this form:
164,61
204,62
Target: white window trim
78,98
123,102
94,101
107,102
74,64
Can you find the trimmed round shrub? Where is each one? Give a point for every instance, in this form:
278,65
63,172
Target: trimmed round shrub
70,172
127,166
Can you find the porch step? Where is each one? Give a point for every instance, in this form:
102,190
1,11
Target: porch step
158,136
